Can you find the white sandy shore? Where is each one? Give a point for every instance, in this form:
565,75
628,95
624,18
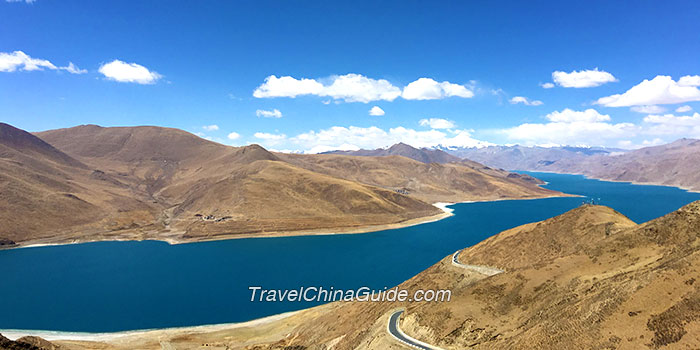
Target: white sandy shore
14,334
446,212
443,206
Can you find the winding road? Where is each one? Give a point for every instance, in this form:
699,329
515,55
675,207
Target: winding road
393,326
484,270
395,331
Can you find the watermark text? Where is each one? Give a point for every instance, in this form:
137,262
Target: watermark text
321,294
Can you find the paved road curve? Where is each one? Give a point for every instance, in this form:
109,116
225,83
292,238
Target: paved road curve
396,332
484,270
393,326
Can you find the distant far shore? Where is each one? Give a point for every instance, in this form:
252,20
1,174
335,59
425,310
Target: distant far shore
591,177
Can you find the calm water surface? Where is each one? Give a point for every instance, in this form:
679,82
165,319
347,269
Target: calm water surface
115,286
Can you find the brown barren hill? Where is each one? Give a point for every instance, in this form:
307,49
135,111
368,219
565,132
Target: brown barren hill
431,182
94,183
45,193
587,279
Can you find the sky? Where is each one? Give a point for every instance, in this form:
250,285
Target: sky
307,76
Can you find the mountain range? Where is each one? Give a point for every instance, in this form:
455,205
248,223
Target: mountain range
91,183
673,164
528,157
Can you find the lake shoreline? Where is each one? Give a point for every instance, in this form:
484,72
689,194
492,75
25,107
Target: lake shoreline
14,334
134,237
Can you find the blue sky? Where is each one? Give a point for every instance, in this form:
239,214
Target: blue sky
445,73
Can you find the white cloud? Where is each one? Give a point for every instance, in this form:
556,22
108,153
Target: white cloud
429,89
269,137
437,123
73,69
582,79
24,1
660,90
525,101
10,62
570,116
546,85
287,87
212,127
683,109
569,127
689,80
275,113
376,111
18,60
675,126
358,88
233,136
352,137
653,109
128,73
348,88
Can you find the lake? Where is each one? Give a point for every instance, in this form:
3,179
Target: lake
116,286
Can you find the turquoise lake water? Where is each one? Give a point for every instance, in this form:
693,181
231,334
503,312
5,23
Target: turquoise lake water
115,286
